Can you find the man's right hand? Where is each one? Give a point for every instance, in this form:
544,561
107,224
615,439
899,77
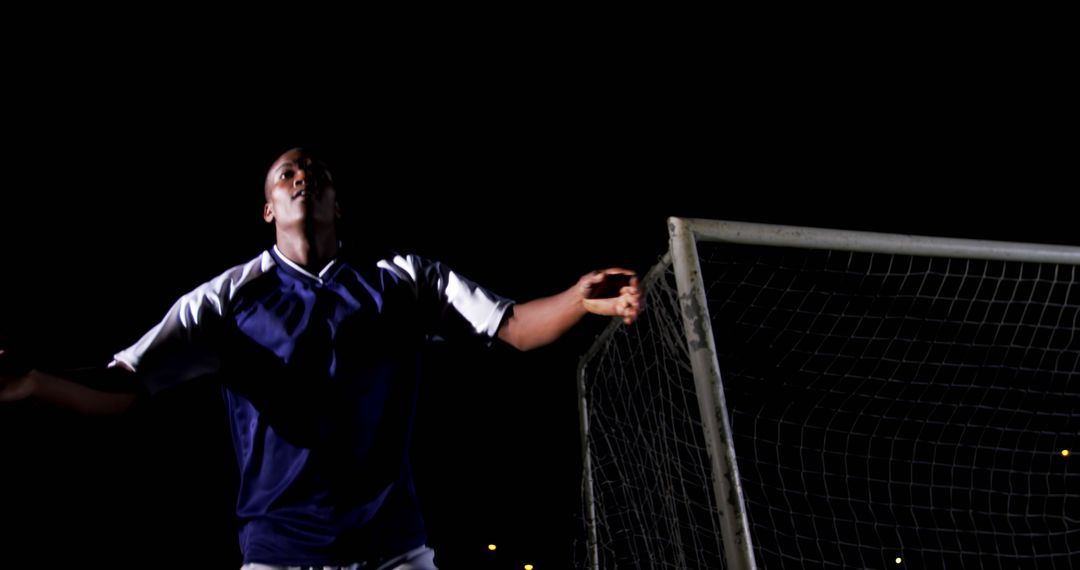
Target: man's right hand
15,383
19,381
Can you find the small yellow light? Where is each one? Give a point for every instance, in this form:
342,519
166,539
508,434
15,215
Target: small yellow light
898,560
1064,452
491,547
528,567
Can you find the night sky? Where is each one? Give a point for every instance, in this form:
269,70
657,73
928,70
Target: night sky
117,203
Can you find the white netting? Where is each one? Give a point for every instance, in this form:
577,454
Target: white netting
653,496
882,407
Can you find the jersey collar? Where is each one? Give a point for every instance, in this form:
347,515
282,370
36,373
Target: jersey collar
296,267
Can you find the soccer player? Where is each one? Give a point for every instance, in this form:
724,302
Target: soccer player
316,344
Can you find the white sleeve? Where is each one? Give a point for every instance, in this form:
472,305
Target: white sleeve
452,303
181,346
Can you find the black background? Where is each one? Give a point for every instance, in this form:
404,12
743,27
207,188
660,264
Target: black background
128,183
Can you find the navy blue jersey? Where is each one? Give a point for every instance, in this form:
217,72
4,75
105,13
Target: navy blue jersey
320,381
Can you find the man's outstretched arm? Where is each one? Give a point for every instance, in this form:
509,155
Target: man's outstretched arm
63,392
611,292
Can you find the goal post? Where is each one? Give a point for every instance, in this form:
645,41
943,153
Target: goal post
796,397
693,304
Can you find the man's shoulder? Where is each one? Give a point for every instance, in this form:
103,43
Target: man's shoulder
369,255
251,269
383,258
227,283
387,265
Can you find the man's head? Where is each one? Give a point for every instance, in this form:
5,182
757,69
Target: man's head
299,193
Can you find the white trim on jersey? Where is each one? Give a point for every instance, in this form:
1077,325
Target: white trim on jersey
175,339
483,310
303,271
177,342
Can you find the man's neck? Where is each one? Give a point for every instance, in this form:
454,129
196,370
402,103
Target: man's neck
310,252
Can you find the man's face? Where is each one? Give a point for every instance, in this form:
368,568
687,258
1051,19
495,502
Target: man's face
299,191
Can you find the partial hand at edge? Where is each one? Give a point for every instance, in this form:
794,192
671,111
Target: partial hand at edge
14,385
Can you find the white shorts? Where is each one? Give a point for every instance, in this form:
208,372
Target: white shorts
420,558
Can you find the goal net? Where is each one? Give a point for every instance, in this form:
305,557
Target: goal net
797,398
